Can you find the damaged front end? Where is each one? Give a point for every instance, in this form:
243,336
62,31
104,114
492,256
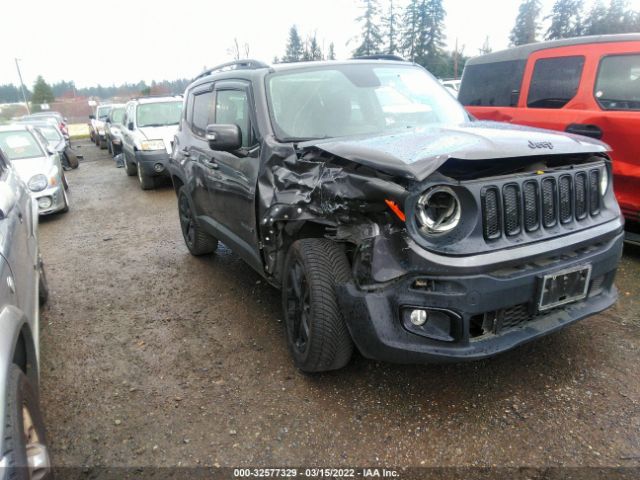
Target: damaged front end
435,222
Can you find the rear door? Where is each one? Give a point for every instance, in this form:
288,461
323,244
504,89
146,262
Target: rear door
202,173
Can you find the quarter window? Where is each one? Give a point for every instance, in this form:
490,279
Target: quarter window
494,84
555,81
202,112
232,107
618,83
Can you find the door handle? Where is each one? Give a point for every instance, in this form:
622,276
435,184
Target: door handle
592,131
211,163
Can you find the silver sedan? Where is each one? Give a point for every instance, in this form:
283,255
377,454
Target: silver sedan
37,165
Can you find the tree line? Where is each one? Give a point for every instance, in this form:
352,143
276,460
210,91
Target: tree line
571,18
41,92
412,29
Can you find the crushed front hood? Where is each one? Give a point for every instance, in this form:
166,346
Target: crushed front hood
417,153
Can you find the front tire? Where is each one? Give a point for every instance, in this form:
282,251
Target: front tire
25,438
129,168
197,240
317,334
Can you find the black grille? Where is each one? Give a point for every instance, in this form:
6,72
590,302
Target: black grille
549,202
512,214
581,195
544,201
565,199
594,192
531,210
491,212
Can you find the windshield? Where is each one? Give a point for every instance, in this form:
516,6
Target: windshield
103,112
117,115
357,99
158,114
19,144
51,134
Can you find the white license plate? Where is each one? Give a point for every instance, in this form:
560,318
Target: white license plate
564,287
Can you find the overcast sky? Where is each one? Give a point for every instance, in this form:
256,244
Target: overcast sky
116,41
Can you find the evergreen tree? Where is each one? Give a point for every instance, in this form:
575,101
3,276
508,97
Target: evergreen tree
295,49
595,23
620,18
409,37
428,50
371,36
42,92
566,19
313,51
390,24
527,26
332,52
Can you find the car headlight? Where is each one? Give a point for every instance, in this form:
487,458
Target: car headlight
37,183
604,181
152,145
438,211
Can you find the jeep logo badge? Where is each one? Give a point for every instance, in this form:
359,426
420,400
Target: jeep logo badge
534,145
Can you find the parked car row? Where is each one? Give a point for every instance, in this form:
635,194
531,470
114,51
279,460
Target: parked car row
142,130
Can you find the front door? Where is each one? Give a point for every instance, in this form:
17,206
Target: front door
234,194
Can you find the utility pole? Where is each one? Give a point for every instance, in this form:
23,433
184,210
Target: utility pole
455,61
24,96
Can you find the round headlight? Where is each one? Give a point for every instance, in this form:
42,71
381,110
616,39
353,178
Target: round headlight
37,183
438,211
604,181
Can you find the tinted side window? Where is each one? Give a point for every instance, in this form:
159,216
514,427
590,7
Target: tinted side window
555,81
202,112
188,109
232,107
492,84
618,83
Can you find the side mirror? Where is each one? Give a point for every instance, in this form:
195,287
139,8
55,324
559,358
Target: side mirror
50,150
92,117
130,126
7,200
223,137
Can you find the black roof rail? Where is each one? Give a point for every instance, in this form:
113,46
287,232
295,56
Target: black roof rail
381,56
246,64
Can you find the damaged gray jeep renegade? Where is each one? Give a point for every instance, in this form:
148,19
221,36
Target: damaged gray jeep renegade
390,219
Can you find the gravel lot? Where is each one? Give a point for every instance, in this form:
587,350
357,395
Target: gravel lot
151,357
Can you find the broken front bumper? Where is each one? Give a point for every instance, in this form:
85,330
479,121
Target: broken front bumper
474,313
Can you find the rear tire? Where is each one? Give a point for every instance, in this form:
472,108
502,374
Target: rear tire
24,434
197,240
317,334
72,158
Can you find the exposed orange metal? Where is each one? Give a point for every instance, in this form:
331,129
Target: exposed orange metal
396,209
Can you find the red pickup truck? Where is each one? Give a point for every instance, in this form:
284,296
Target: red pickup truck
587,86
